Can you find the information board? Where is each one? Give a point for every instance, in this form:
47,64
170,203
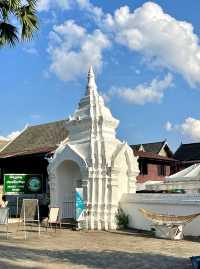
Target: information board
80,205
22,183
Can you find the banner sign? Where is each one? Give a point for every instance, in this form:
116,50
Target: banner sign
22,184
80,205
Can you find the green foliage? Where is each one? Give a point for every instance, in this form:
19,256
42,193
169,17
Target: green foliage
26,21
176,191
121,218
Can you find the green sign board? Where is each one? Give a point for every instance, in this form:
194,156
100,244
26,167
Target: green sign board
22,184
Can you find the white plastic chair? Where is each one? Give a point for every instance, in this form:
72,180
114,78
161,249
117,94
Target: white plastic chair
53,218
4,213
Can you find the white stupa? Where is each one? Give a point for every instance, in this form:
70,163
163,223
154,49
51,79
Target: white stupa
93,158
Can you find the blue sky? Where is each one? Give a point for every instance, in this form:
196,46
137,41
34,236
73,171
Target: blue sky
147,61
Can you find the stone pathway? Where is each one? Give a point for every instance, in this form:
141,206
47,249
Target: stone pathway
98,250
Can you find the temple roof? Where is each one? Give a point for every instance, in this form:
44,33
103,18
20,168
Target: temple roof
188,152
37,139
150,155
153,147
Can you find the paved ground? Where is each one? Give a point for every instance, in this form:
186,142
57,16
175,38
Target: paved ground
112,250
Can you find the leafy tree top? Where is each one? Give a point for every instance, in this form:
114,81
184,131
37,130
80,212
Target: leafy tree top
23,13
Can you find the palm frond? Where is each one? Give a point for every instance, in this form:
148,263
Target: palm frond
10,5
8,34
14,4
4,10
32,4
28,22
25,14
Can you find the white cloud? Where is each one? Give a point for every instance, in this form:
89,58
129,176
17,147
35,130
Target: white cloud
168,126
46,5
191,128
159,37
144,93
163,40
72,49
86,5
13,134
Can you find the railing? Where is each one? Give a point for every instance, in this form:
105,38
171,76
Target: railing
68,210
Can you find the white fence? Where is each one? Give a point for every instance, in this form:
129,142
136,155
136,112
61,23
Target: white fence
177,204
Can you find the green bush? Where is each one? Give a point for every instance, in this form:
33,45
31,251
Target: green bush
121,219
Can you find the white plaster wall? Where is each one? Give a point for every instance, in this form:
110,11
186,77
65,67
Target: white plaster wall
177,204
68,175
122,177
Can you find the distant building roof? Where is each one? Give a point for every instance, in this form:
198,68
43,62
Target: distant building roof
188,152
153,147
135,147
150,155
153,150
3,143
37,139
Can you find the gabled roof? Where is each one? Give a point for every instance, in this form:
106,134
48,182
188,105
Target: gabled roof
188,152
153,147
37,139
135,147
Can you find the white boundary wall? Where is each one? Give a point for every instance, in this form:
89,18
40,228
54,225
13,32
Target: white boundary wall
177,204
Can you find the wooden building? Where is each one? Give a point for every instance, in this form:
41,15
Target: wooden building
155,161
186,155
27,154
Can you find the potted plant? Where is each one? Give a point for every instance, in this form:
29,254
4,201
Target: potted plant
121,219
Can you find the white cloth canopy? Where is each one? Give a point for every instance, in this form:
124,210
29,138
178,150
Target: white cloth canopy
190,173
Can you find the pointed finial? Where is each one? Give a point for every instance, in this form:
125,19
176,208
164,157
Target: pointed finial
91,86
91,72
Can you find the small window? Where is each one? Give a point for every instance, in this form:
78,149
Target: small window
161,170
143,168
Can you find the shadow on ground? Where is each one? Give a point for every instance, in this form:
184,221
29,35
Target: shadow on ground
107,259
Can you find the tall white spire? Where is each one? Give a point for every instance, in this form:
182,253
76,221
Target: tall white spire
106,167
91,85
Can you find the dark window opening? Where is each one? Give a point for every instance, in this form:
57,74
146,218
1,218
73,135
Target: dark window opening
143,168
161,170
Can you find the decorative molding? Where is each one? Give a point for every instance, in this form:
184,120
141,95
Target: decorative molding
154,198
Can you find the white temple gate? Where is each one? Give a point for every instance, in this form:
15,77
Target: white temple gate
92,157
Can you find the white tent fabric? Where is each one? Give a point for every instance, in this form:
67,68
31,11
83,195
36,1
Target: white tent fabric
190,173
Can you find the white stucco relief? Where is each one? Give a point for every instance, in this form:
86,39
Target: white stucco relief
107,166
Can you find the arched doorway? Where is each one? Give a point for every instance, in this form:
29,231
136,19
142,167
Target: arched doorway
68,179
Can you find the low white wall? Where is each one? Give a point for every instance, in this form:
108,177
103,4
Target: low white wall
175,204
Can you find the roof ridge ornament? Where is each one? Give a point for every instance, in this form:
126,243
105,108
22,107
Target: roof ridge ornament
91,85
